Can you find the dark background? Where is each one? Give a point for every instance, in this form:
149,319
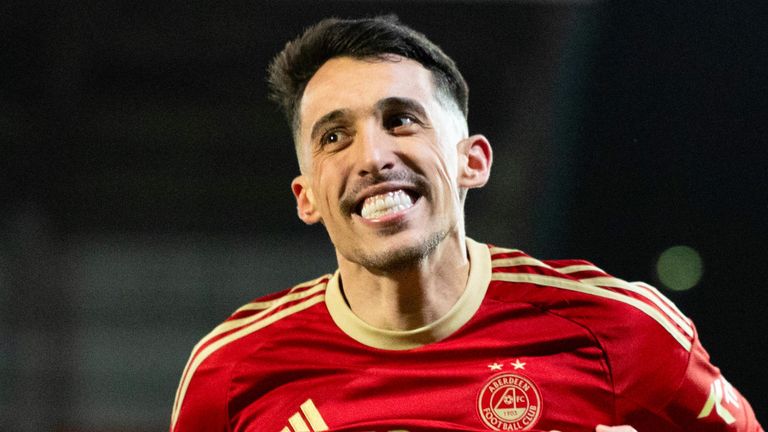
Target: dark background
144,178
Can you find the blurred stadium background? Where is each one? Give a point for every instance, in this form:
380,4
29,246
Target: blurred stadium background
144,177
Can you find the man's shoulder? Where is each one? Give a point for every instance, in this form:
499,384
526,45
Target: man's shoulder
255,317
241,336
641,333
281,300
580,291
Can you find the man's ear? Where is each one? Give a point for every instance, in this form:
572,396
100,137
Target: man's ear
475,159
305,201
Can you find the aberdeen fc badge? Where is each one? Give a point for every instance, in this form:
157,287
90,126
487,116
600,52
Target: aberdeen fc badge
509,402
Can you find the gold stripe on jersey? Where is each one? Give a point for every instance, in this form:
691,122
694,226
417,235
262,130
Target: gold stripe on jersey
229,325
297,423
196,360
518,261
665,300
313,416
533,262
258,305
579,268
572,285
232,324
494,250
618,283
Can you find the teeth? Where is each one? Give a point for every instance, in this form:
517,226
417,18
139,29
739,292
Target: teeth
380,205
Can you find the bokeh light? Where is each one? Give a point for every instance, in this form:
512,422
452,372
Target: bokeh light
679,268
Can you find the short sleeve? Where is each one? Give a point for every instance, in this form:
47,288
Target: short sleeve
201,400
702,400
706,401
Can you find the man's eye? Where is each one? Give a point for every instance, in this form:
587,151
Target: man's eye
399,122
333,137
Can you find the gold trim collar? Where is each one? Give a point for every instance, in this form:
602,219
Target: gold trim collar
457,316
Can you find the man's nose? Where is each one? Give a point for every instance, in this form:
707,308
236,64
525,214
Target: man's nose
375,150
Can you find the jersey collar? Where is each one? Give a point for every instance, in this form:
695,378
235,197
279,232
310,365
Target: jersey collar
457,316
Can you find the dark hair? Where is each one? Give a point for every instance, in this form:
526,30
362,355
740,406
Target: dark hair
364,38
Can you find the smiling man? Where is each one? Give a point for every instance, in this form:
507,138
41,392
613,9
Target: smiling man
385,167
422,328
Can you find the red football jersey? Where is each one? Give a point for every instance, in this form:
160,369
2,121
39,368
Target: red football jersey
530,345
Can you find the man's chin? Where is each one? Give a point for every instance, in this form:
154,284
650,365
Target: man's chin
400,257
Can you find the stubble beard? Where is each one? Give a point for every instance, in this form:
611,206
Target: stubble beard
402,259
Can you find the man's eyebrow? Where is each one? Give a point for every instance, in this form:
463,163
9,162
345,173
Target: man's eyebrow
393,103
331,117
401,103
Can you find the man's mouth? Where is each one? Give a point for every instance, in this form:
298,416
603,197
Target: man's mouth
378,206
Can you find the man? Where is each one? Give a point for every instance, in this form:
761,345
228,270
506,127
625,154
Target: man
422,328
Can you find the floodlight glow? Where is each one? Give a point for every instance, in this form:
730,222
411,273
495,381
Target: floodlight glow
679,268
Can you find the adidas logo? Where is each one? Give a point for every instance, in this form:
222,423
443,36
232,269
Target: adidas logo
307,419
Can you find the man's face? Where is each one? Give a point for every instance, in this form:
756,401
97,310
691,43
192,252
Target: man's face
380,157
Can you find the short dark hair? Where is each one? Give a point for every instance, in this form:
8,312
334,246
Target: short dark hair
367,38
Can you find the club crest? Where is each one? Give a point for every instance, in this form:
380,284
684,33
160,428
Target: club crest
510,402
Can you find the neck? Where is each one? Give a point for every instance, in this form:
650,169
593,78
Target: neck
411,297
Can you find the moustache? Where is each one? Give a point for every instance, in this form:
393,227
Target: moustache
408,179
